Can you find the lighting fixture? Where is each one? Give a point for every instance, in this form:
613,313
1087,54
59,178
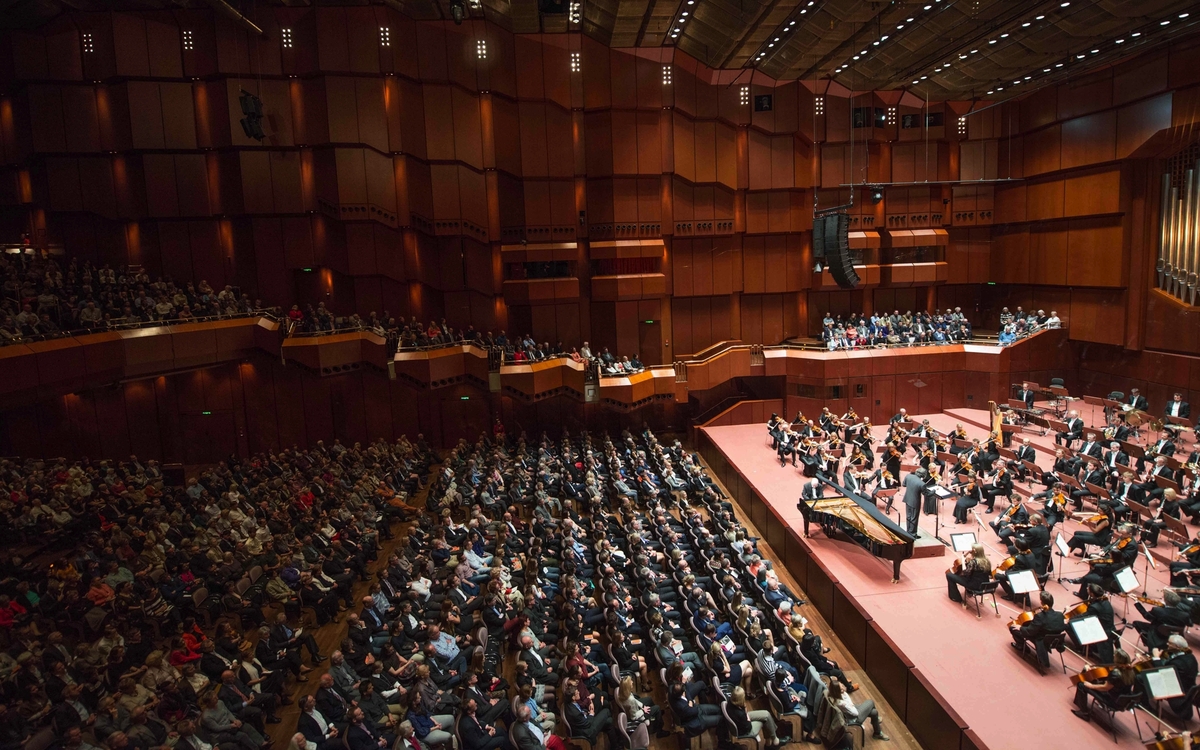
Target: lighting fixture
481,49
88,46
385,36
818,103
574,13
188,42
285,37
666,75
576,62
744,96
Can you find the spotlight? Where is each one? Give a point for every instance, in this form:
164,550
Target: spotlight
458,11
876,195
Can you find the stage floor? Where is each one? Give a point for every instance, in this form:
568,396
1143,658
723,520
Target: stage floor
968,661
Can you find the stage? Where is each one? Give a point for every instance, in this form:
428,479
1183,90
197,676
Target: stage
956,678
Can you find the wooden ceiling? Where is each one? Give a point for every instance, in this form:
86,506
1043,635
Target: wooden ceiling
939,49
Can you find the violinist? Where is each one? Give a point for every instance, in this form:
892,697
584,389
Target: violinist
849,423
1105,684
1120,554
1016,514
1098,606
959,433
827,420
800,424
1189,559
1036,539
1101,533
892,459
775,427
901,416
1025,452
1047,621
1179,657
974,571
970,494
1170,614
922,429
858,460
1056,505
1001,484
887,481
787,445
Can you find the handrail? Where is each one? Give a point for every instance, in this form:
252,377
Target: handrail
74,333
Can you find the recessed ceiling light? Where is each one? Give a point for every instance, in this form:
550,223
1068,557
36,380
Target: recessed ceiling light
1028,77
908,20
1184,15
685,13
804,11
1136,34
772,44
937,70
962,57
777,39
1026,25
901,26
1063,5
855,57
991,41
1079,57
1004,36
991,92
999,88
1165,23
883,38
927,7
1059,65
1016,83
916,82
1045,70
924,77
1120,41
1038,18
974,51
793,23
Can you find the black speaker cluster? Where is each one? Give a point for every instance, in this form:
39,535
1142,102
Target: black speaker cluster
252,116
831,241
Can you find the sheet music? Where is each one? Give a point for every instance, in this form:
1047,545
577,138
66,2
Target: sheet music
1023,582
1163,683
1126,579
1088,630
1061,544
1149,558
962,542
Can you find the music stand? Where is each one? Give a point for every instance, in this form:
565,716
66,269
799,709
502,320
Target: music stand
1142,511
1127,582
1060,546
889,494
1134,450
962,541
960,443
939,493
1165,483
1088,631
1023,583
1176,527
1163,684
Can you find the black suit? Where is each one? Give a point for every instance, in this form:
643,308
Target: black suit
1185,410
311,730
1027,397
475,736
1139,402
1074,432
1046,622
1158,620
332,705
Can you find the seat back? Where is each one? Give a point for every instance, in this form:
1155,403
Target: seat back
1059,383
987,588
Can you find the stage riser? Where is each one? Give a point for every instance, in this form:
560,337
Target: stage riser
927,715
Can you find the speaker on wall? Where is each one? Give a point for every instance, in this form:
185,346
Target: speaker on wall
831,234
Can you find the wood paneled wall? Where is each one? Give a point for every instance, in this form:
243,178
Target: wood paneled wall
397,167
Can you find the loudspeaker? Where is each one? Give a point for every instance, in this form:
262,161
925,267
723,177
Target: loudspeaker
835,237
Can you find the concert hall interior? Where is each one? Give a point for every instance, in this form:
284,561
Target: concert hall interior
494,375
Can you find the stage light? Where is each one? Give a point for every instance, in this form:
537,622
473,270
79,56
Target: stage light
458,11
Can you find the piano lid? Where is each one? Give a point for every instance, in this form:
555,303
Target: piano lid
874,519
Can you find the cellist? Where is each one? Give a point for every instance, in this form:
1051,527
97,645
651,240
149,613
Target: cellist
1098,606
1046,621
1106,686
1119,554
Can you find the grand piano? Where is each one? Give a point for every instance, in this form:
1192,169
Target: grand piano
859,519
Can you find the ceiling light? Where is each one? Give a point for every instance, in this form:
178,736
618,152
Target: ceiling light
945,65
883,38
1045,70
1028,77
1004,36
772,44
924,77
1063,5
1026,25
1059,65
1165,23
1038,18
1078,57
991,92
811,3
962,57
901,26
916,82
974,51
855,57
793,23
777,39
999,88
908,20
1136,34
927,7
937,70
1095,51
1120,41
991,41
874,44
803,11
684,13
1184,15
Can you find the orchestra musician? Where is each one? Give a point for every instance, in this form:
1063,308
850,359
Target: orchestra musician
1091,446
1137,400
1189,559
1095,475
1179,656
813,490
901,416
1113,459
1074,430
892,458
1015,515
788,445
1100,534
849,423
1047,621
1026,395
1001,485
775,428
1120,553
1025,452
1064,465
974,571
1173,613
1121,494
959,433
1150,488
1098,606
1107,686
858,459
1023,560
1161,447
1168,505
970,494
1177,407
887,481
800,424
1055,508
1036,539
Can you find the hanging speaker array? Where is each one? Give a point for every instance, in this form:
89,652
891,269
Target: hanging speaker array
1179,237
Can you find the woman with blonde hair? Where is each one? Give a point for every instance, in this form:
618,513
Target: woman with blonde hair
975,571
638,711
751,722
736,673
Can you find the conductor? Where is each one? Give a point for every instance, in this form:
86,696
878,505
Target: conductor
914,491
